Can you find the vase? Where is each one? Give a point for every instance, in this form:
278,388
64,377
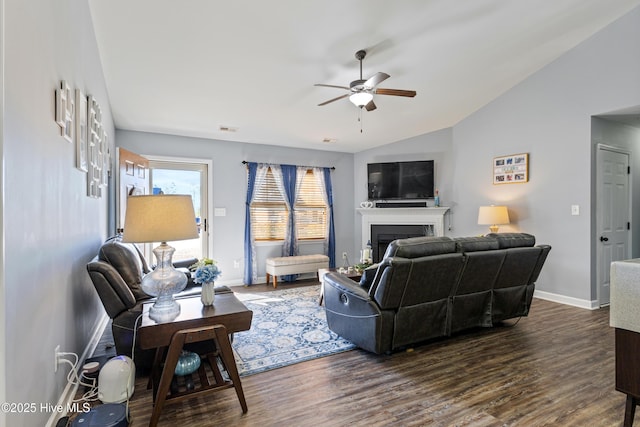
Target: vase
208,293
188,363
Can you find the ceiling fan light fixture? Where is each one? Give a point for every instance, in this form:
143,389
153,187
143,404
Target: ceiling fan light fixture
360,99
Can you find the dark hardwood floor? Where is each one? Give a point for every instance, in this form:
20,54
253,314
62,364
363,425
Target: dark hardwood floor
553,368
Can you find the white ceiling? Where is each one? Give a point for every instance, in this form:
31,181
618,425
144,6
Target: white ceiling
190,67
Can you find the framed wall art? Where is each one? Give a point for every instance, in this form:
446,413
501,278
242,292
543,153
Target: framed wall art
81,131
106,160
512,169
95,137
65,110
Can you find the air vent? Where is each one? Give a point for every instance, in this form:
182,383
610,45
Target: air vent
329,140
227,129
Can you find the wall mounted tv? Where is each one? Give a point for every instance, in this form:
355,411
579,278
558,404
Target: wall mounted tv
400,180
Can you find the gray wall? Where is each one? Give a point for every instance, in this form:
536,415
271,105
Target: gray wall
50,227
436,146
230,189
548,116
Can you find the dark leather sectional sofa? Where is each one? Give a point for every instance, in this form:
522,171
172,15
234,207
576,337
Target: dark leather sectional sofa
428,287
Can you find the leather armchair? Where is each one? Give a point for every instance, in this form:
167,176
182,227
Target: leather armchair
116,273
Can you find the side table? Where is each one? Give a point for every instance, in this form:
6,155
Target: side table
195,323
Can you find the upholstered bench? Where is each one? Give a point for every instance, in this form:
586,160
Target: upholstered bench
282,266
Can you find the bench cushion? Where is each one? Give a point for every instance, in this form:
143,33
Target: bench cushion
297,260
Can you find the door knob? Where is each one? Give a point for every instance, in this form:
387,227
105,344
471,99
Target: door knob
604,239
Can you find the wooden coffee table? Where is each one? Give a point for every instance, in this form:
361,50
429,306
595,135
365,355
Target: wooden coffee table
195,323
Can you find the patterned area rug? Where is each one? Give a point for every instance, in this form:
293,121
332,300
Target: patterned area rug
288,327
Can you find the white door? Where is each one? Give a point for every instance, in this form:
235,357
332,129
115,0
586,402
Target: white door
613,214
133,180
175,176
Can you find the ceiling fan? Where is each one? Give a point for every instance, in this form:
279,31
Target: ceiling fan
361,91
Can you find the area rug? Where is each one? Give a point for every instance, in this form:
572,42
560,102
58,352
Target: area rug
288,327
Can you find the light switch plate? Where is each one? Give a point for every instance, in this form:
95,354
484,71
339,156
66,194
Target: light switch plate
575,209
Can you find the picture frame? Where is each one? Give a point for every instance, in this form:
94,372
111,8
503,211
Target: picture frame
511,169
82,132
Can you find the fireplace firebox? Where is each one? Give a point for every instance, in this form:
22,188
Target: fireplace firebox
420,222
383,234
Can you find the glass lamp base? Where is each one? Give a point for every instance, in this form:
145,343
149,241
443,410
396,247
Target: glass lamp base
165,309
162,283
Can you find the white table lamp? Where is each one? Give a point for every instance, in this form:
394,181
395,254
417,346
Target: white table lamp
161,218
493,216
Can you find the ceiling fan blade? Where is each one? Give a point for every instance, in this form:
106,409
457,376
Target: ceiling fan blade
376,80
334,99
396,92
370,106
334,86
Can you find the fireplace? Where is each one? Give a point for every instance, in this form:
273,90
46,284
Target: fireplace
383,234
422,222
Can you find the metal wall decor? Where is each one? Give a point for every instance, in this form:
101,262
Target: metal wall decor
65,110
95,145
80,119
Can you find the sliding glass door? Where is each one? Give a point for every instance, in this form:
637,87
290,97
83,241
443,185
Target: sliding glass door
169,176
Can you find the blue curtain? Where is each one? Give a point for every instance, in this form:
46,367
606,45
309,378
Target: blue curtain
331,244
290,247
248,239
287,178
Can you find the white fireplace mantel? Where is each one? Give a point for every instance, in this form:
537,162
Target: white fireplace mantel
408,216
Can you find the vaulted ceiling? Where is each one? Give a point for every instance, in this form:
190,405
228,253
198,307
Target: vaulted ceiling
195,67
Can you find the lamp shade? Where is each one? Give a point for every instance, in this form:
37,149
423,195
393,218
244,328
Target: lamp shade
493,215
360,99
159,218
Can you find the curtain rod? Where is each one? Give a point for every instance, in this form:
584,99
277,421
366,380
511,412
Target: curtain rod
244,162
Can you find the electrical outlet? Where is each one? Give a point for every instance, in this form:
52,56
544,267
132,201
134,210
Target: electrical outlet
55,358
344,255
236,263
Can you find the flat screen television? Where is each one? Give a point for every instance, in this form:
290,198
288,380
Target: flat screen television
400,180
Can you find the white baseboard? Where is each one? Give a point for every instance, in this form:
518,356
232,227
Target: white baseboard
232,282
261,280
563,299
69,392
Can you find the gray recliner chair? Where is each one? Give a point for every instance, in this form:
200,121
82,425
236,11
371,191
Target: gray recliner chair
116,273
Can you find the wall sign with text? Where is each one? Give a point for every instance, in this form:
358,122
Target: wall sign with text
511,169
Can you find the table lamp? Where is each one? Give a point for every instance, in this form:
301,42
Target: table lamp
161,218
493,216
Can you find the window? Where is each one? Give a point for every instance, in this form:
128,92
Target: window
310,209
269,210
